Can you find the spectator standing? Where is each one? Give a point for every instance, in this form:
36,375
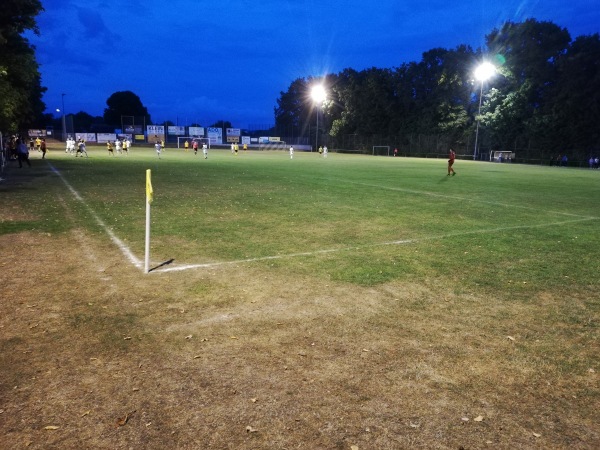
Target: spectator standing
23,153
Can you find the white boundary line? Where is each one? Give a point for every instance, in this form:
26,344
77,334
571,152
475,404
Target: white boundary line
464,199
360,247
138,263
118,242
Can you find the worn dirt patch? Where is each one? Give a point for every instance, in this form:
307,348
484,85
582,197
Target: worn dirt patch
254,357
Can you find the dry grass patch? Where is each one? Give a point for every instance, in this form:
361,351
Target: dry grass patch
250,357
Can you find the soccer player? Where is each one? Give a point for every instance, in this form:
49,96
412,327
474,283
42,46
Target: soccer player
158,148
31,144
325,152
38,144
195,146
81,148
232,148
186,145
451,162
71,144
43,148
109,147
127,145
205,150
245,147
291,152
118,146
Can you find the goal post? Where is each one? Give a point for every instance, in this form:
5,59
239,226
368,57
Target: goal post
201,140
381,150
503,156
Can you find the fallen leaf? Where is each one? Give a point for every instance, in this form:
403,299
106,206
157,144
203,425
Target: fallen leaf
414,425
51,427
537,435
233,337
85,413
302,353
478,419
249,429
510,338
253,400
197,356
127,338
465,419
189,336
123,420
354,447
591,370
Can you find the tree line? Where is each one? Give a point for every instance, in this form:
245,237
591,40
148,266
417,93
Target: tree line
545,94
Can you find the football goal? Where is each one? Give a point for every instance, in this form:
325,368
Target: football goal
381,150
201,140
504,156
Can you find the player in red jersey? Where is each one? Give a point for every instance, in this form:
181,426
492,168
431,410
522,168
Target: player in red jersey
451,163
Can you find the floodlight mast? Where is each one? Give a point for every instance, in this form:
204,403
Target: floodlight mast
64,122
318,95
483,73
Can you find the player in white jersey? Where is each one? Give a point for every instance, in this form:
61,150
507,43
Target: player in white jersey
205,150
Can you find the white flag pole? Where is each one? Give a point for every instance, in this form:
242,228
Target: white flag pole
147,258
149,196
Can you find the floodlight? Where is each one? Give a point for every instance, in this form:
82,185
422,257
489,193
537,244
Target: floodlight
318,94
485,71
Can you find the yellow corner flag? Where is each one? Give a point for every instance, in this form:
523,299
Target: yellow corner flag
149,191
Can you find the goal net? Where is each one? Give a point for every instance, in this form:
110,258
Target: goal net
504,156
201,140
381,150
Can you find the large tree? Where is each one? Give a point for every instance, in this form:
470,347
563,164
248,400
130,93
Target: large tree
21,91
124,103
530,51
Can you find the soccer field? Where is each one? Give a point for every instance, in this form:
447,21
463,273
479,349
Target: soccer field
339,303
354,218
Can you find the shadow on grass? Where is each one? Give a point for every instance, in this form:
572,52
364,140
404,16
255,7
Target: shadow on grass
166,263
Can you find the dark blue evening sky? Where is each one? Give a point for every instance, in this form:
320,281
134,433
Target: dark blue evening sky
203,61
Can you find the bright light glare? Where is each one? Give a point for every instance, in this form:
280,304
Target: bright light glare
318,94
485,71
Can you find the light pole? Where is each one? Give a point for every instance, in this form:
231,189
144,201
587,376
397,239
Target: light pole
318,95
64,122
484,72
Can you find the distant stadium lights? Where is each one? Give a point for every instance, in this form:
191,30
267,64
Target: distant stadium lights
318,94
485,71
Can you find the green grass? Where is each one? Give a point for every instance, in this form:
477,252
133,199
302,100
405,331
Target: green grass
505,228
